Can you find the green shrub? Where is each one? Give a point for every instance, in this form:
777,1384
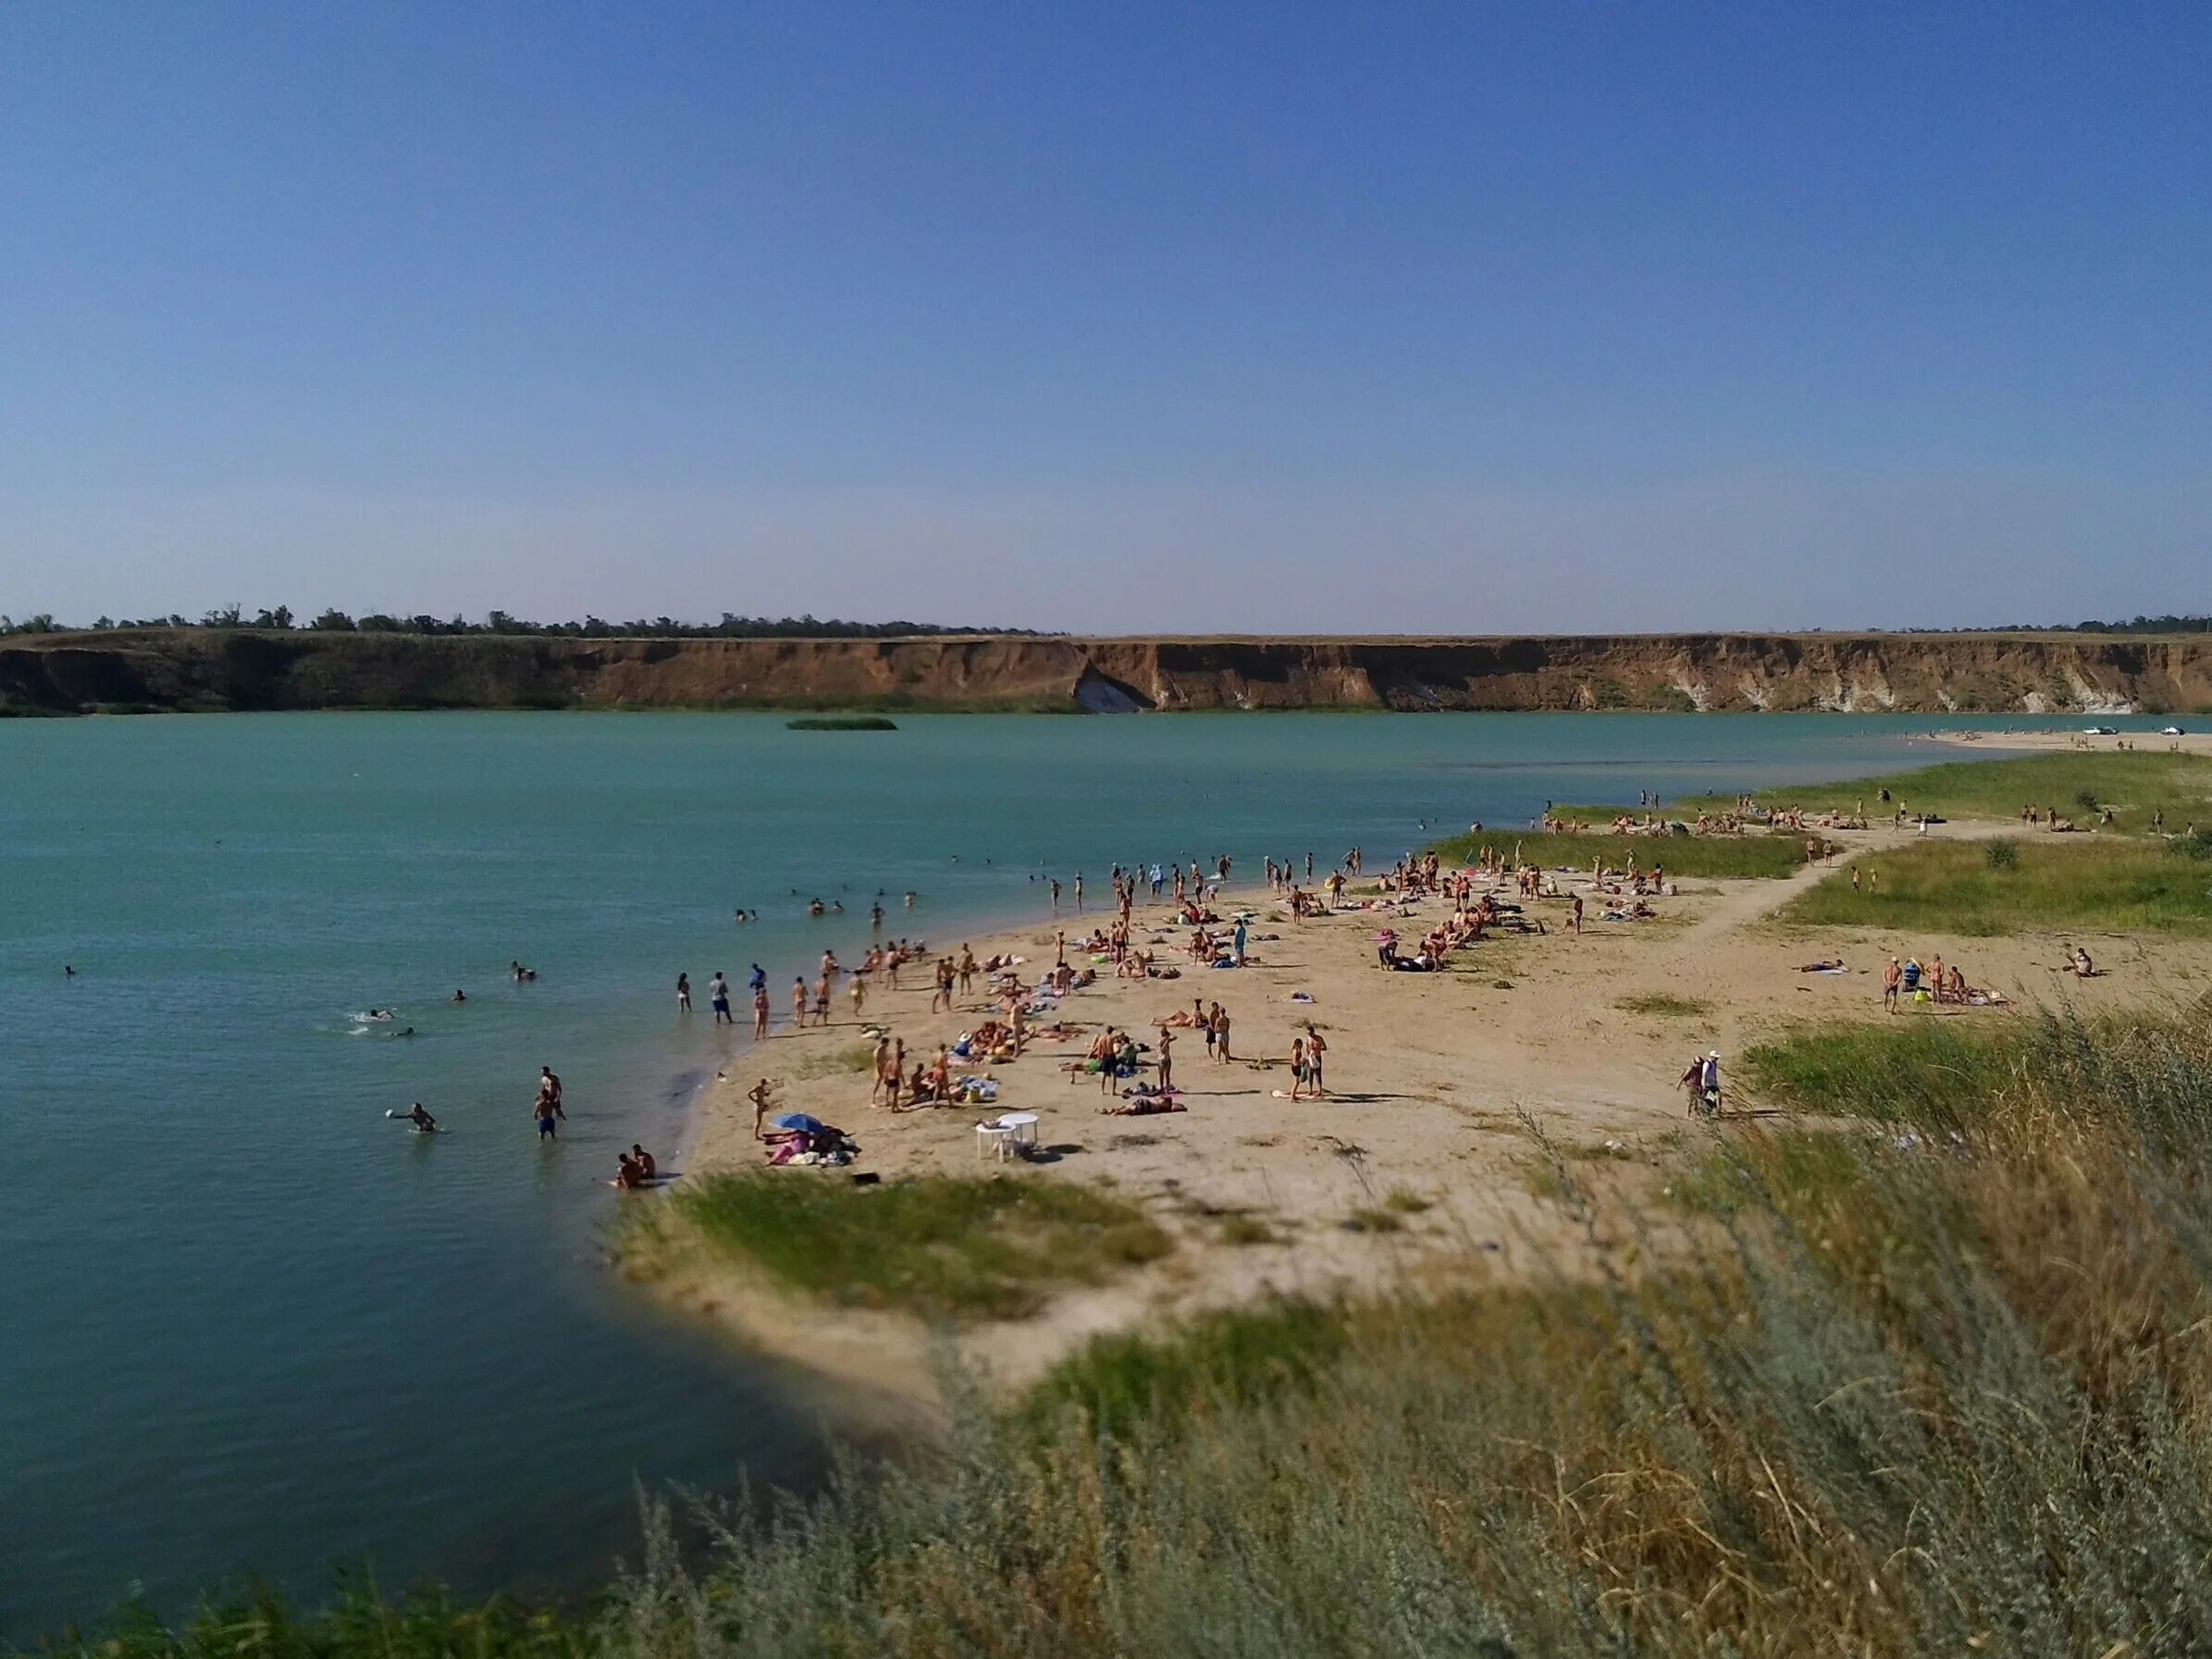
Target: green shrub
2001,854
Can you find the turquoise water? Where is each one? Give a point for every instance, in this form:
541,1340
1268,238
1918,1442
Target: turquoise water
246,1322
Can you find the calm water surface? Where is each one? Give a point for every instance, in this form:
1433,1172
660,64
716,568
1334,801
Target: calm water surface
246,1322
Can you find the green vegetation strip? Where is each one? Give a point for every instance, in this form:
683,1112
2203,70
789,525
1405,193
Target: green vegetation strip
1710,857
938,1245
2017,885
2078,785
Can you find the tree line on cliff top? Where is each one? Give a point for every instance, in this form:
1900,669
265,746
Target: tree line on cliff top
731,627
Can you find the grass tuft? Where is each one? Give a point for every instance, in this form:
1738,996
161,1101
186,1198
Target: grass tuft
1663,1004
940,1245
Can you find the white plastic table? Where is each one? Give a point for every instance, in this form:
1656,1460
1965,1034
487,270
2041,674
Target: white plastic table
1020,1127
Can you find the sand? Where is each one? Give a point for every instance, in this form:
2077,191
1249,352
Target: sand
2192,741
1440,1085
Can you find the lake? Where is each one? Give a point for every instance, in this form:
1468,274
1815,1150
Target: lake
248,1322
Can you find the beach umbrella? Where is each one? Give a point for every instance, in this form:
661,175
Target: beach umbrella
799,1120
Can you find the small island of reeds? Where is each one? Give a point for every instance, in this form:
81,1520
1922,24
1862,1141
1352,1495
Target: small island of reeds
841,723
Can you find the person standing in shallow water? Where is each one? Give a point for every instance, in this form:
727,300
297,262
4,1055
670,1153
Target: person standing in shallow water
718,994
548,1109
683,993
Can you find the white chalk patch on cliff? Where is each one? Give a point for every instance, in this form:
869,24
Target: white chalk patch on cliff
1700,698
2035,702
1754,691
2089,700
1950,703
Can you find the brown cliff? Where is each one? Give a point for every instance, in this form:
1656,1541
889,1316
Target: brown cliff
216,669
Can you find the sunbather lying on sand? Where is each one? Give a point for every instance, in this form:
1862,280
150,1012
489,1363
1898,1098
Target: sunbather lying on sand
1143,1106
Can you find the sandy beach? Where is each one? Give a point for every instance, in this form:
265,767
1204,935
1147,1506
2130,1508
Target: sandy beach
1440,1086
2191,742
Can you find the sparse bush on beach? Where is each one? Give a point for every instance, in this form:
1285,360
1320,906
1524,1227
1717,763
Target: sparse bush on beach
1706,856
1663,1004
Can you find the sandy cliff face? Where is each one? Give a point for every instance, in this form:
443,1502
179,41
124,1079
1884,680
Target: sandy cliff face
1872,672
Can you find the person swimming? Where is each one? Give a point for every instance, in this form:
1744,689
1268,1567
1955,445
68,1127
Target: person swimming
424,1122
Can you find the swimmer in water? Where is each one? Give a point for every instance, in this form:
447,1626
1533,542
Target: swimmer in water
423,1121
458,996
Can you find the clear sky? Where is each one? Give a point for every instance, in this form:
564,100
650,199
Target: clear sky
1241,316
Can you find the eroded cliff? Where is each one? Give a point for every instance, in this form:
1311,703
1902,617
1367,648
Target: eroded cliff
208,669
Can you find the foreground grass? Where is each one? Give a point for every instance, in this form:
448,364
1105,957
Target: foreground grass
2076,783
1900,1401
1713,856
937,1246
2091,884
1936,1073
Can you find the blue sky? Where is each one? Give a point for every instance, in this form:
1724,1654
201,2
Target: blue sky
1463,318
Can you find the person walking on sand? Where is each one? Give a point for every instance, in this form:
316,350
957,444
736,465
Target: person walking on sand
1575,917
1167,1059
821,1000
1314,1049
798,1001
759,1094
761,1011
718,998
1221,1033
1892,977
967,969
860,994
683,993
